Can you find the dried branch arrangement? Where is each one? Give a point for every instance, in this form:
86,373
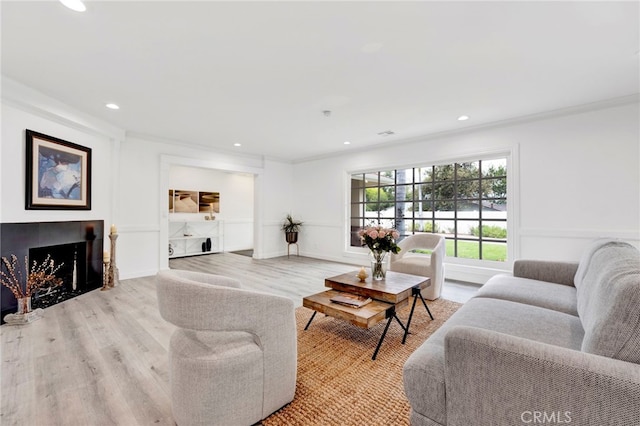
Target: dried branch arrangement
38,277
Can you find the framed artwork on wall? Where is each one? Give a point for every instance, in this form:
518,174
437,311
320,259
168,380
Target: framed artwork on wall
209,202
58,174
190,201
185,201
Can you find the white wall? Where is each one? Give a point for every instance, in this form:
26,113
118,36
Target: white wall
236,201
579,181
23,108
274,196
575,177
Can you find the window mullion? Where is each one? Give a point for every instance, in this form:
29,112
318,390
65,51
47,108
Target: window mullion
480,236
459,212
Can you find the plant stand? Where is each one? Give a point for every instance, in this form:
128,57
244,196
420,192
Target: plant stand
289,247
292,239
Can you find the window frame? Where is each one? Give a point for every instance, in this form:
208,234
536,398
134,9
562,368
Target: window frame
510,156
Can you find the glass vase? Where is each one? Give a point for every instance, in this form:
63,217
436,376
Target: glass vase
24,314
24,305
378,265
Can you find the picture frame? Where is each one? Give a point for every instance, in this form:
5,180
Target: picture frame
58,174
209,202
191,201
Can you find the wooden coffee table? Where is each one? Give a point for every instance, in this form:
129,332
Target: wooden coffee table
389,295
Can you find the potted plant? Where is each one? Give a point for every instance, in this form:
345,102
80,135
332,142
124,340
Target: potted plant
291,228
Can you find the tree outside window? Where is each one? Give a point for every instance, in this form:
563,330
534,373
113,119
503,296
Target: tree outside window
466,202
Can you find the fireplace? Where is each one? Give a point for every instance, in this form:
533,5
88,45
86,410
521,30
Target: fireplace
77,245
72,259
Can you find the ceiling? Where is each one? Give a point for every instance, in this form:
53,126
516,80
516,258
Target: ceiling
260,74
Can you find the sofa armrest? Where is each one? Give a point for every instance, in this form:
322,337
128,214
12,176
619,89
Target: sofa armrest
494,378
542,270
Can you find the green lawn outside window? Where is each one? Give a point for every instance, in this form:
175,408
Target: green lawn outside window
470,250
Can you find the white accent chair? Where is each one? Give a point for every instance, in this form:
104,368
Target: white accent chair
425,265
233,358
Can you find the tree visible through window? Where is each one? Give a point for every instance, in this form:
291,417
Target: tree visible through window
465,202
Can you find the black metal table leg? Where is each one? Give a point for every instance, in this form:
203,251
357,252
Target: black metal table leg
413,307
384,333
311,319
400,322
425,306
415,291
391,314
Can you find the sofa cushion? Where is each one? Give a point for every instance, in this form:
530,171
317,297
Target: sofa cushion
517,319
419,264
558,297
608,296
557,272
585,259
423,374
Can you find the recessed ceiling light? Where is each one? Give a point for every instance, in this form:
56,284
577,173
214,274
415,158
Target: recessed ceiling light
76,5
463,117
237,144
347,143
112,106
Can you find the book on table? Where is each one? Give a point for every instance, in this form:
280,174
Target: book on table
352,300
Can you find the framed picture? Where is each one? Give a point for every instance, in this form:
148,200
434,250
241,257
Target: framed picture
189,201
58,174
209,202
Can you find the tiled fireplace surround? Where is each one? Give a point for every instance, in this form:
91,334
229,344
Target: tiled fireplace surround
78,243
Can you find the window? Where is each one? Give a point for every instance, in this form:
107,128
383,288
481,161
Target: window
465,202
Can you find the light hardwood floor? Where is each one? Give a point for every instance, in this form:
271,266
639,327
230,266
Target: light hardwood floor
101,358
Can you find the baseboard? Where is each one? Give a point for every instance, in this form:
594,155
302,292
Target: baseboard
470,274
138,274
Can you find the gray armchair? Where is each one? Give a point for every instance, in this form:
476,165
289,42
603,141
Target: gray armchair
233,358
425,265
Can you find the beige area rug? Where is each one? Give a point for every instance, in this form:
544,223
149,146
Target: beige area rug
339,384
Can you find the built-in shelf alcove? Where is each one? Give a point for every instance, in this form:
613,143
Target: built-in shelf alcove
75,244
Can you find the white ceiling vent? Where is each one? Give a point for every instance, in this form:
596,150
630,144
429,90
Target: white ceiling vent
386,133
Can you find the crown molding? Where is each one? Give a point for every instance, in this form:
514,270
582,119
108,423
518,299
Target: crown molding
576,109
204,147
31,101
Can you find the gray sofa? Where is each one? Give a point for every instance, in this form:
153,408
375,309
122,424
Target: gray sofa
553,343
